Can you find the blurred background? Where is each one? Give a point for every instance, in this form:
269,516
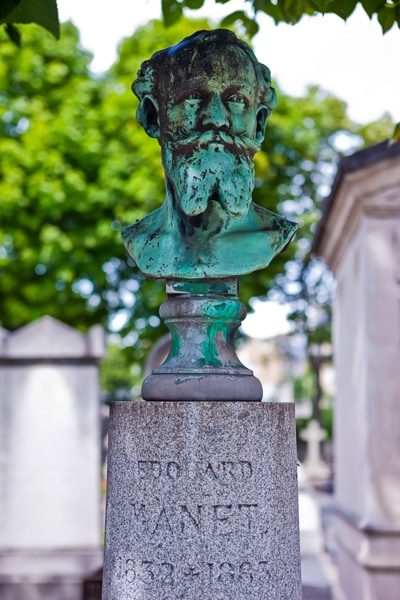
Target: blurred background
80,325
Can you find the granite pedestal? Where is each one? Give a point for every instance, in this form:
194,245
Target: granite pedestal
202,502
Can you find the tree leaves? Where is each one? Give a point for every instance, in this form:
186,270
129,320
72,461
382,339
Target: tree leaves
250,26
172,11
75,168
388,16
395,139
13,34
343,8
42,12
290,11
373,6
6,7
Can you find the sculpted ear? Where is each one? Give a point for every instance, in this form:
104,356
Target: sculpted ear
262,116
148,116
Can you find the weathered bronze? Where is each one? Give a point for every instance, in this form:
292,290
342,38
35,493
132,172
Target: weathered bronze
207,101
203,318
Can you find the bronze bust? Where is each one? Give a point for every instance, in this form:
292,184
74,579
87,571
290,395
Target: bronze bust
207,101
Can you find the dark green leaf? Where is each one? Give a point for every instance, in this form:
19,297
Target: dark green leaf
342,8
6,6
239,16
193,4
171,11
386,18
372,6
321,5
293,10
42,12
269,9
395,139
13,34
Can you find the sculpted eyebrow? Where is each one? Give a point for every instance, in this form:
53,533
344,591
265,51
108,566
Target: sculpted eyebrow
189,87
237,87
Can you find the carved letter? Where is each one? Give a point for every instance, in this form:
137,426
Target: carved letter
173,470
162,523
228,469
210,471
189,518
139,514
155,468
222,514
142,469
248,511
247,469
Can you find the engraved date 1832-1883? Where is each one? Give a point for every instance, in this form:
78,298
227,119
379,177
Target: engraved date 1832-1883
150,573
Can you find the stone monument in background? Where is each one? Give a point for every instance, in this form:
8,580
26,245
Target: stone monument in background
359,238
202,482
50,522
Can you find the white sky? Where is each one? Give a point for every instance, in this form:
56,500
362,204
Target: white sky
354,60
267,320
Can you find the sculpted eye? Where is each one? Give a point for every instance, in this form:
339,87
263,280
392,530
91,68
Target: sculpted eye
238,100
192,100
193,96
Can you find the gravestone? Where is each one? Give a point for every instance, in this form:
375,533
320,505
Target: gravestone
202,481
359,238
200,492
50,529
314,466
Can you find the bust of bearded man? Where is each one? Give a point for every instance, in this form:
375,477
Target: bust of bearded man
207,101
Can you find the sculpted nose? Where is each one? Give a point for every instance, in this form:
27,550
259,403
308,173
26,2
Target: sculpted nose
215,113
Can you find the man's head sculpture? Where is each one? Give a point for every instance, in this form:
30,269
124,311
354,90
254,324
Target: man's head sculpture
207,101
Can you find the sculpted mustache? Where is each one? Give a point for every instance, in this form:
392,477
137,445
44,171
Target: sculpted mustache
197,141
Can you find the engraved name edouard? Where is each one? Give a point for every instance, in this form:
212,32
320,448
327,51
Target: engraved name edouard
222,471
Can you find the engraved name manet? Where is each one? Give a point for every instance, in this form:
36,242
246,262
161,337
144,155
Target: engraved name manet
215,519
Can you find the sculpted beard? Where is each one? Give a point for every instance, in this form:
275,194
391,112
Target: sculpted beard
211,166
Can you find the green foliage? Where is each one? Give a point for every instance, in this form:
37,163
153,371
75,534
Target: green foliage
289,11
118,378
42,12
75,167
304,389
303,386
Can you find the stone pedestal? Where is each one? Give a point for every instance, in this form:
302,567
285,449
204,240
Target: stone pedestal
202,502
359,238
203,317
50,524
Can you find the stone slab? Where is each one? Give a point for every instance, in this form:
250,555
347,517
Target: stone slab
49,457
202,502
53,574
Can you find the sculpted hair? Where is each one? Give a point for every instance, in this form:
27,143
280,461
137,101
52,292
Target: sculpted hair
155,73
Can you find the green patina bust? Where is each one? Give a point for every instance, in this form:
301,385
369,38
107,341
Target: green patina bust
207,101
